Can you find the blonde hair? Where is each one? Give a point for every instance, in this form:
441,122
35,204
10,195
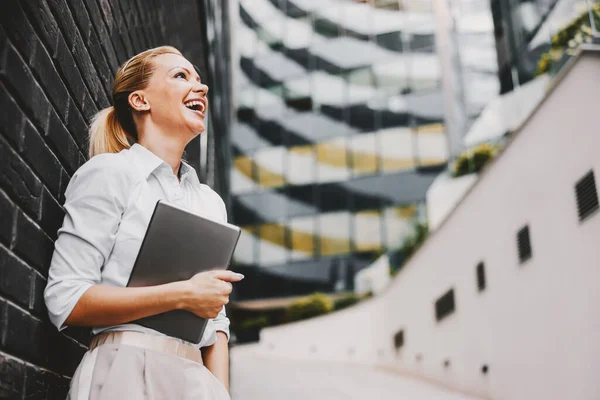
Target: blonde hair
113,129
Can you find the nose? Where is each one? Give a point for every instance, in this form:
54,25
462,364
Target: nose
201,88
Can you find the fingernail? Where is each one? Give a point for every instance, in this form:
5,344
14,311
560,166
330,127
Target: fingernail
240,276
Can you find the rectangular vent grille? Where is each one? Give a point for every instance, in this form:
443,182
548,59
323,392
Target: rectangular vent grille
480,277
399,339
444,306
587,196
524,244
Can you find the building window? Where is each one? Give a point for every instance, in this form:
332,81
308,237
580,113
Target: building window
480,270
399,339
524,244
444,306
587,196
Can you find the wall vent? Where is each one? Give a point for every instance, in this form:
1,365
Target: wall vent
524,244
444,306
480,271
587,196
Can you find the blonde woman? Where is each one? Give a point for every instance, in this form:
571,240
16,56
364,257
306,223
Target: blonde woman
136,148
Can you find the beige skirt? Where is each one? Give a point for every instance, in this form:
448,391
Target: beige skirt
117,371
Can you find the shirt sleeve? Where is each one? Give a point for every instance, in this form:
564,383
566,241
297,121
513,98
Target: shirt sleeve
96,198
221,323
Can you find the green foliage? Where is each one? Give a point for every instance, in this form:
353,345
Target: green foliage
568,38
308,307
473,160
409,246
346,301
255,323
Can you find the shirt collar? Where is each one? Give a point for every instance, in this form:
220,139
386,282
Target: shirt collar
148,162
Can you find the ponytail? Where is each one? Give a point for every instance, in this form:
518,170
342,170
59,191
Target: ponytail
106,133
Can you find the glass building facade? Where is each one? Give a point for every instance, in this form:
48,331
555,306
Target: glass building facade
339,131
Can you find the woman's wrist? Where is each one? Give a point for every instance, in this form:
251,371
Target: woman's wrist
179,294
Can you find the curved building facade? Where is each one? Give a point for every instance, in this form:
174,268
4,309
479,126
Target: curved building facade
339,132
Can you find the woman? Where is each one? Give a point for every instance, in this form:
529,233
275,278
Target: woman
136,148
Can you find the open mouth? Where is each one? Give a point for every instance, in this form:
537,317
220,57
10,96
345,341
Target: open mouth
196,106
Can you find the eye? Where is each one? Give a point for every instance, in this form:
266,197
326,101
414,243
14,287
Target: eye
180,75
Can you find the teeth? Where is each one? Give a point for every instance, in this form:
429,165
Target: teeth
194,103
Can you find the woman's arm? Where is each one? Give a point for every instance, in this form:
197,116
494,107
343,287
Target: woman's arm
204,295
216,359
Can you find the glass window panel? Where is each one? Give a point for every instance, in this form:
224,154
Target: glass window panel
365,154
396,147
302,238
333,160
334,233
301,165
328,89
278,66
246,247
240,182
271,166
273,244
432,146
367,228
298,33
325,21
398,224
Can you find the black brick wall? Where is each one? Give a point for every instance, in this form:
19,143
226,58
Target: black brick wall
57,60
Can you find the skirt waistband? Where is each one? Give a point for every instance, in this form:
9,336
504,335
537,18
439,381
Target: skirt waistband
162,344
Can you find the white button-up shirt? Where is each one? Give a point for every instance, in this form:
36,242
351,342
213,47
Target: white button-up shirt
109,203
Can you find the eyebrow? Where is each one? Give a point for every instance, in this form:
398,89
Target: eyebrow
187,70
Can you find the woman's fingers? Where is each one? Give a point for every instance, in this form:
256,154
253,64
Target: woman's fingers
228,276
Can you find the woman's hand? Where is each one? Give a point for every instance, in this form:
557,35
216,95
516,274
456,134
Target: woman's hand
206,293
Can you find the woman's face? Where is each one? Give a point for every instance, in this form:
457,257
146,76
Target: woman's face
176,96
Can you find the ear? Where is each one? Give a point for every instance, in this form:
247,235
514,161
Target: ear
138,101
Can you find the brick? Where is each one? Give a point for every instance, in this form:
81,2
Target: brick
61,345
12,378
80,15
18,181
29,92
41,384
88,107
52,214
108,51
64,182
43,21
66,22
88,71
118,26
37,304
43,162
15,278
64,145
66,64
48,77
77,126
105,29
104,37
97,55
81,335
23,336
32,244
11,118
17,26
8,217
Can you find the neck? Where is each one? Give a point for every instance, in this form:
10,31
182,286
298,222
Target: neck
167,148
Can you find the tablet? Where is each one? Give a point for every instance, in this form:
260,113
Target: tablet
177,245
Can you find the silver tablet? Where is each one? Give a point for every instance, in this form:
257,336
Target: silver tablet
179,244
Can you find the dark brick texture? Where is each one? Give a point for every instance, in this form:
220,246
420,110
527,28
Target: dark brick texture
57,62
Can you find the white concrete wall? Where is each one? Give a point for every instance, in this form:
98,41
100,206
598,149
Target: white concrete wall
537,324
